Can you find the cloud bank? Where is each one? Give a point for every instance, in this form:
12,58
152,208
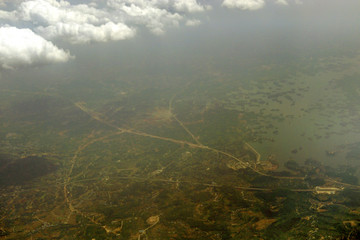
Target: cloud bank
282,2
153,14
244,4
83,33
256,4
96,21
189,6
24,47
192,22
72,23
114,20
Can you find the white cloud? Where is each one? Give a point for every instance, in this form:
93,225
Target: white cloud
189,6
244,4
151,13
7,15
97,21
23,47
51,11
193,22
82,23
83,33
73,23
282,2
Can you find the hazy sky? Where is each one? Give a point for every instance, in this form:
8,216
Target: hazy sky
43,32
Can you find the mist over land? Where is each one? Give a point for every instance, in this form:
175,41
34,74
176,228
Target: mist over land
179,119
